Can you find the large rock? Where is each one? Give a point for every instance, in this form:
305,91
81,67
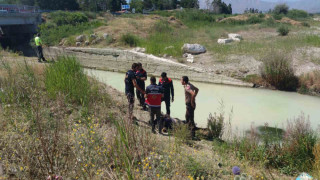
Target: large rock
81,38
78,44
193,48
93,36
234,36
224,41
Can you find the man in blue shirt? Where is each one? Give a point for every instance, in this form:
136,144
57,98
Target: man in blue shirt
154,94
131,83
141,76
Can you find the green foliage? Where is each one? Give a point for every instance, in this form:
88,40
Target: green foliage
278,72
129,39
194,18
67,76
215,126
270,22
137,5
68,18
305,24
189,4
283,30
281,9
195,169
220,7
52,35
254,20
297,14
291,154
277,16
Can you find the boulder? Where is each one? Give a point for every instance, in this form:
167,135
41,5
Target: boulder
224,41
234,36
81,38
185,55
105,35
78,44
193,48
86,43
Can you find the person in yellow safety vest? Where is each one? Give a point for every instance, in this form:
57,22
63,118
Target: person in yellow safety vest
38,42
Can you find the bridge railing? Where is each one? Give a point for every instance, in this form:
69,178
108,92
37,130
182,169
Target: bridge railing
21,9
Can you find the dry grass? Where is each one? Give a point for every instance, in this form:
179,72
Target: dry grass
311,81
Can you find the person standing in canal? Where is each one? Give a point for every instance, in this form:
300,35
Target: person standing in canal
38,42
191,93
131,83
167,86
141,76
154,94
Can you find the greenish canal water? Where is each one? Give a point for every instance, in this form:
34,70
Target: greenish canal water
250,106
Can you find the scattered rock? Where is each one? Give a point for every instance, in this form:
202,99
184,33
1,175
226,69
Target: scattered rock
224,41
93,36
170,57
169,47
81,38
96,41
193,48
244,70
78,44
234,36
105,35
190,58
218,72
86,43
139,49
185,55
165,55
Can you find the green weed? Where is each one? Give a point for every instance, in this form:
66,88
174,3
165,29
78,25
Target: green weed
67,76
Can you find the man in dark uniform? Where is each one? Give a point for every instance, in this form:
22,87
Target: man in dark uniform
154,94
167,86
131,83
190,98
141,76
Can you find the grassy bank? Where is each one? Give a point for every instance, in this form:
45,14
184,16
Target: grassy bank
57,121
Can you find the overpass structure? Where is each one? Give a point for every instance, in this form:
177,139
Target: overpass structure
18,24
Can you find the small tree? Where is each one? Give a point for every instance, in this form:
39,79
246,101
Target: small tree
189,4
281,9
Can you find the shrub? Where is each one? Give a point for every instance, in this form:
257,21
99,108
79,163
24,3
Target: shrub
305,24
278,72
67,76
291,154
261,15
310,82
53,35
297,14
68,18
277,16
283,30
298,143
281,9
269,22
129,39
254,20
215,126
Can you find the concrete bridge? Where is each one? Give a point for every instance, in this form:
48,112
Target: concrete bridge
18,24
